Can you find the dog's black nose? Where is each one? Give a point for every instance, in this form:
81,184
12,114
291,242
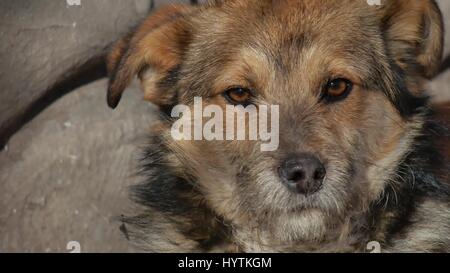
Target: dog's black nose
303,173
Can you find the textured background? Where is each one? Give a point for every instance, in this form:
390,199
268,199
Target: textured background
64,171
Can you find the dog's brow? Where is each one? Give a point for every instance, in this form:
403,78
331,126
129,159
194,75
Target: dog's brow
289,51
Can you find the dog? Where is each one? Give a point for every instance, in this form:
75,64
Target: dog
362,154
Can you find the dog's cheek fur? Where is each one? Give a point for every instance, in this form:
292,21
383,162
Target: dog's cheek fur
414,184
174,215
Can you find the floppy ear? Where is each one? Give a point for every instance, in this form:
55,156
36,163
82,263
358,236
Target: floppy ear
151,52
414,34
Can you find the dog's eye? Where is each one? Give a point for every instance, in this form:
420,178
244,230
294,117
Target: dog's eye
238,96
338,89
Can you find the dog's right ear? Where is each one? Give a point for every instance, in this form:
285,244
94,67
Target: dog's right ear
414,34
151,52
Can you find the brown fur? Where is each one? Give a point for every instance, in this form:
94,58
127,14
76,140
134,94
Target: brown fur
226,195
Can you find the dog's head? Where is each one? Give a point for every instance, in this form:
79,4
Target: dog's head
346,75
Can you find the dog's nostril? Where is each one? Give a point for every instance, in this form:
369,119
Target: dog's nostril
298,175
320,174
303,173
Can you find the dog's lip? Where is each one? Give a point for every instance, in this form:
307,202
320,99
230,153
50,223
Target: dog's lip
292,187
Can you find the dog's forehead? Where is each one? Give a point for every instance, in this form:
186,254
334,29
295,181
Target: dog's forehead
285,32
295,12
275,23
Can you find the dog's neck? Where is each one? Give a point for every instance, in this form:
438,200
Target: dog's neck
417,179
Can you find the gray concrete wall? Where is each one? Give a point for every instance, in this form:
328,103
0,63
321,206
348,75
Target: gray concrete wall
48,48
64,176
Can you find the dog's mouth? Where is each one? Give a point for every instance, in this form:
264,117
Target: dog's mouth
296,188
326,191
285,196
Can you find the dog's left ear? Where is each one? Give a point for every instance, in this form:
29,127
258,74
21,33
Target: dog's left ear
414,34
151,52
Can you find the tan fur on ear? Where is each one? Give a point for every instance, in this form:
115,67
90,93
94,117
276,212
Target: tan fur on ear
414,29
156,44
116,54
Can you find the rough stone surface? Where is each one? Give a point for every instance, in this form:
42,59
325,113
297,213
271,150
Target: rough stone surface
64,176
439,88
47,42
445,8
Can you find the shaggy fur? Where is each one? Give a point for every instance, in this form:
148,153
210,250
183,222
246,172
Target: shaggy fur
386,173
